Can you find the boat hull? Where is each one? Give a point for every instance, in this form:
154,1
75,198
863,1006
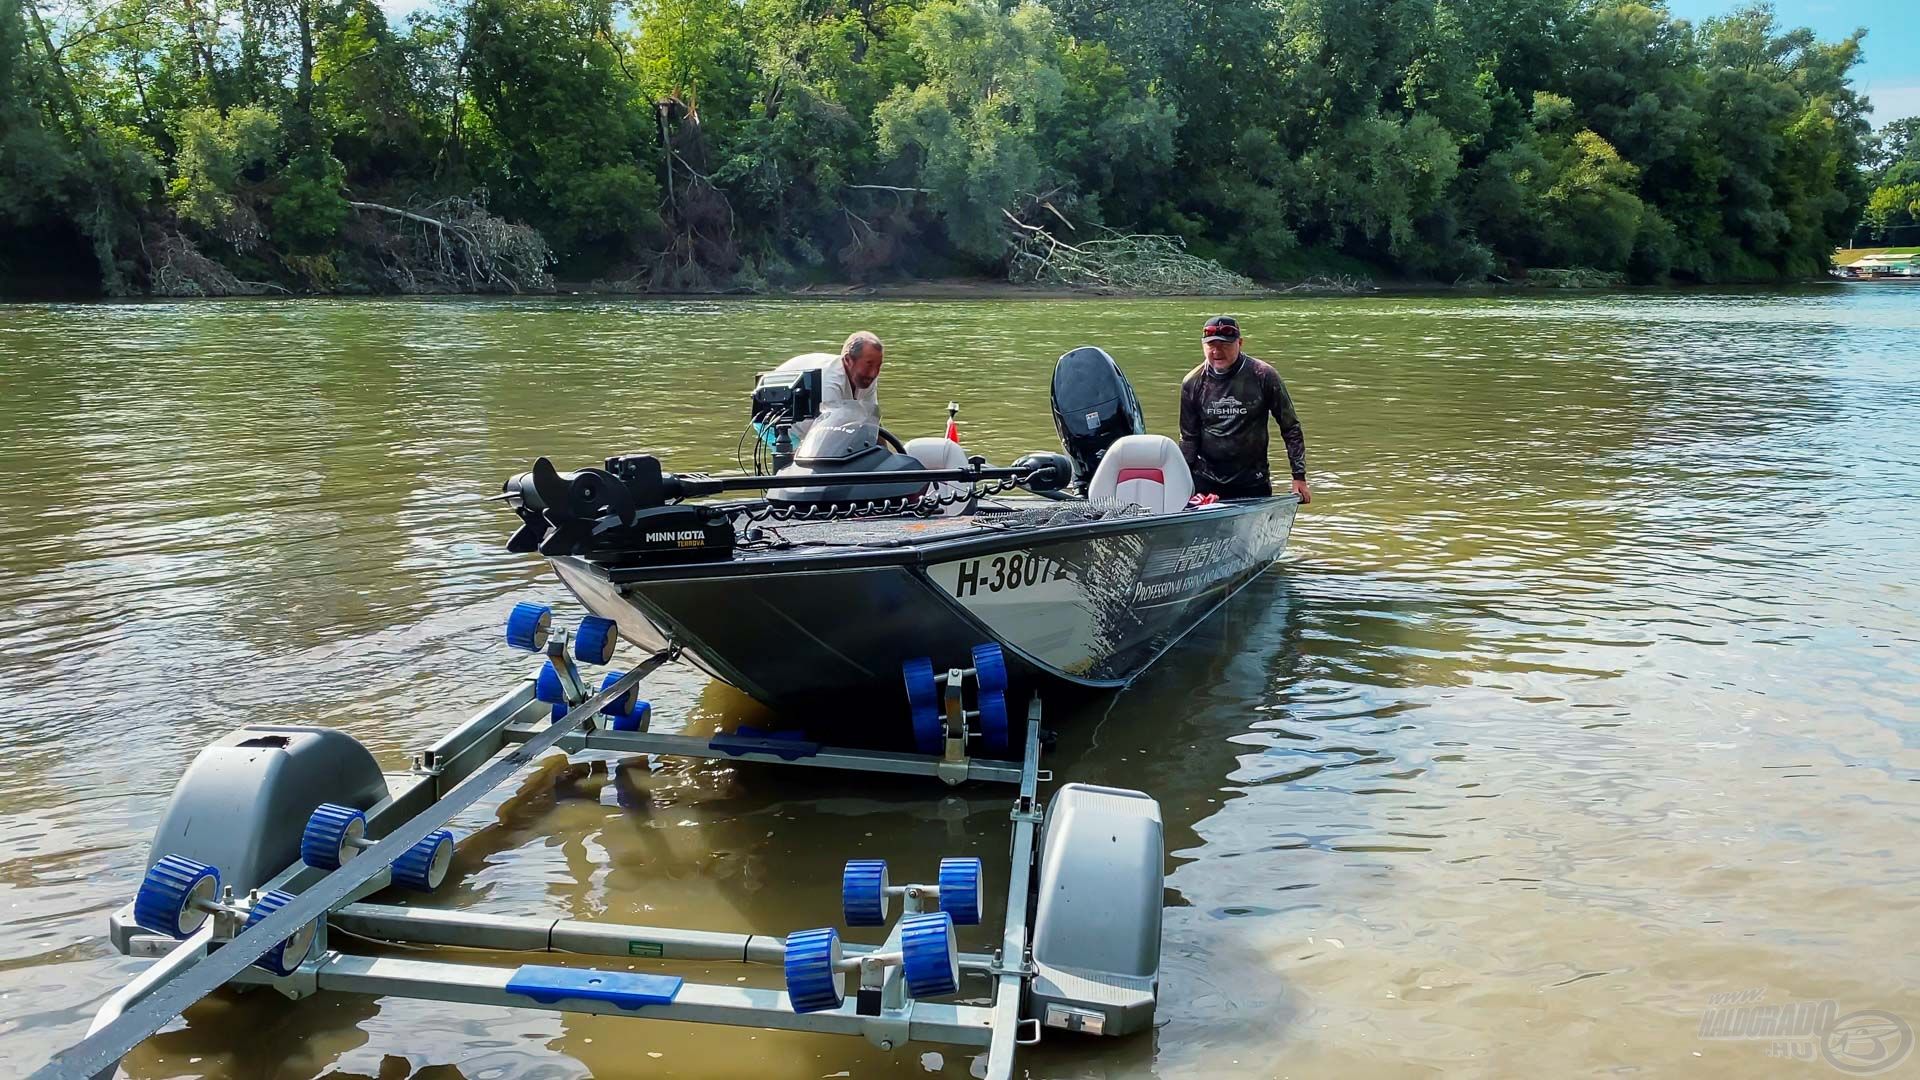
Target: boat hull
824,632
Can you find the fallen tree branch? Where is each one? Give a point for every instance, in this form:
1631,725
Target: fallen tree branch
1129,262
460,247
175,267
397,212
1018,224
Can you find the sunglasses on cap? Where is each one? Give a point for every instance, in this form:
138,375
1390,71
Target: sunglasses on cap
1225,331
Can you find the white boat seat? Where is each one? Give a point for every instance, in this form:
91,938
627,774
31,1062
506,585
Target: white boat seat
1146,470
934,453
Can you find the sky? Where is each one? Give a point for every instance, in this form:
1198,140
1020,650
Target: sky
1890,77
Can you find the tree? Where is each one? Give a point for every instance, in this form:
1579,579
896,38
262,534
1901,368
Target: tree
1893,154
1892,169
559,131
1893,206
1562,196
37,165
220,165
365,98
969,132
198,145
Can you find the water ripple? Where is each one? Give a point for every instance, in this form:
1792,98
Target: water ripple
1587,689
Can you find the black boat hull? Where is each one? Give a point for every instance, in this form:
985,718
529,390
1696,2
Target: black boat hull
823,632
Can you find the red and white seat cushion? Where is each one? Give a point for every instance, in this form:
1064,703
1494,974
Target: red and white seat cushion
1146,470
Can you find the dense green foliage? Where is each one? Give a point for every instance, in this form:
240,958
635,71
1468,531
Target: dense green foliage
1893,209
739,143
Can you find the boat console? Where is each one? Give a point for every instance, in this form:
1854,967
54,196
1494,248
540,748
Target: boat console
845,438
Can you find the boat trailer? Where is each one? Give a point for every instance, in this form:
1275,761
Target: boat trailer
263,866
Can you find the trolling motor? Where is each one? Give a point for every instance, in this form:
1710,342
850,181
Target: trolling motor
625,509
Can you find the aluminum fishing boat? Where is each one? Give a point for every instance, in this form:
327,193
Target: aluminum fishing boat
862,558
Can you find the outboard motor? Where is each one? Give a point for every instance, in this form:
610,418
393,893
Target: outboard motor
1093,404
845,439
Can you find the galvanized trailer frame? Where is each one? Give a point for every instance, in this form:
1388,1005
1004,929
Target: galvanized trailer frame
495,743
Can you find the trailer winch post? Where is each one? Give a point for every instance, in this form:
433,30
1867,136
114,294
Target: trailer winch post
1014,967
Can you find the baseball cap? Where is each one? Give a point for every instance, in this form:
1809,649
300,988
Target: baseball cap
1221,328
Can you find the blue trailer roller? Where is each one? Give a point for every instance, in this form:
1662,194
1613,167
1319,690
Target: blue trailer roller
923,697
993,720
814,980
989,668
863,892
425,864
932,962
175,895
593,643
528,625
332,836
286,957
960,890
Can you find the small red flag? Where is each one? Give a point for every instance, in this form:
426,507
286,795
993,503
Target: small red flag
953,427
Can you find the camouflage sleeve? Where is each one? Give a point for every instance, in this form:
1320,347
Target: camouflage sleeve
1281,405
1190,423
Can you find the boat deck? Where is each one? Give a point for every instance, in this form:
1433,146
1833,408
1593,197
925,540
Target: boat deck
906,539
991,516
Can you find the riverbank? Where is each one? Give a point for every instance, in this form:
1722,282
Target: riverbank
984,288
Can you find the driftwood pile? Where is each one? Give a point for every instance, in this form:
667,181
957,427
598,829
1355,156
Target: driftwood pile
175,267
456,245
453,245
1122,262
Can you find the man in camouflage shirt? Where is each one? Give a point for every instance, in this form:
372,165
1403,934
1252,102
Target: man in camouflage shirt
1224,405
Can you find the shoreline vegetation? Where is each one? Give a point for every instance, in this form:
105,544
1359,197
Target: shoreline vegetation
928,147
988,289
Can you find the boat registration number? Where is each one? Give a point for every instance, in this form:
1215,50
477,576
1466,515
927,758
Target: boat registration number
1002,572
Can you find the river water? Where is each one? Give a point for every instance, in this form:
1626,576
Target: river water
1583,702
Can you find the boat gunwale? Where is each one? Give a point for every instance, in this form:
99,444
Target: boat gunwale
916,553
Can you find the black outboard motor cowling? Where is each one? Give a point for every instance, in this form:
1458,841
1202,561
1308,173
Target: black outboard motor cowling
1093,404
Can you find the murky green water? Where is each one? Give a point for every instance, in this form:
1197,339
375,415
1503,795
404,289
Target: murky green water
1586,692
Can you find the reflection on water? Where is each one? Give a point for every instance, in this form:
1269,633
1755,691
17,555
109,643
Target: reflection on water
1586,692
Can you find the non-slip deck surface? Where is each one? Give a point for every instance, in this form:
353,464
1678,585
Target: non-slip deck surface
993,515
